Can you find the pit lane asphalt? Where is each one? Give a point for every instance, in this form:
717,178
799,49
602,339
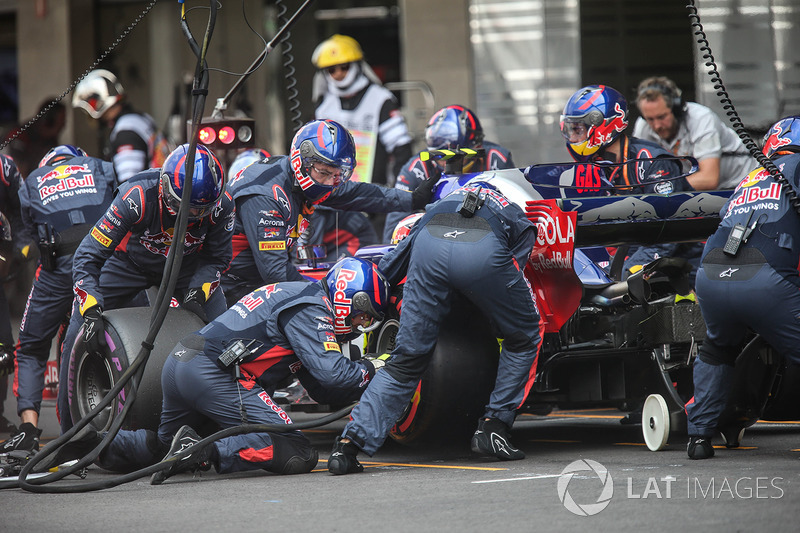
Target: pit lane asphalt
445,488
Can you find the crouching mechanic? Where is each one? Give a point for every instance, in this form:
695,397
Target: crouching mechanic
127,248
753,287
275,198
475,242
227,372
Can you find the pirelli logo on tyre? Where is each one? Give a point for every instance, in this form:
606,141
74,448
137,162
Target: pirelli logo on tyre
332,347
271,245
99,237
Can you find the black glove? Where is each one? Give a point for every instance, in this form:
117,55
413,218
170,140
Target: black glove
6,361
194,301
423,194
94,330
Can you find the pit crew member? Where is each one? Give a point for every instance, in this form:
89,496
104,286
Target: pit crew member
473,241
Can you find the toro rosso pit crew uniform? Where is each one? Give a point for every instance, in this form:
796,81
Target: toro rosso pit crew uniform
480,257
414,172
758,288
59,204
126,252
271,214
287,329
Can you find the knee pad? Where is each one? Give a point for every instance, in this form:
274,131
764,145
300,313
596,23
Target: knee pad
292,454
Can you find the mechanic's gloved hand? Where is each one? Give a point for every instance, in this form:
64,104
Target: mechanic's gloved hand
423,194
94,330
194,300
6,360
378,361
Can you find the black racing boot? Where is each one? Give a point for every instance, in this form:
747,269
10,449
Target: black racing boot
343,458
491,438
185,438
699,448
26,438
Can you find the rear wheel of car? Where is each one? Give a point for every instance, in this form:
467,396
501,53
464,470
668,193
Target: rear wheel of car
455,389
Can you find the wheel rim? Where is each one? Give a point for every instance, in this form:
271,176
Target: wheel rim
655,422
93,381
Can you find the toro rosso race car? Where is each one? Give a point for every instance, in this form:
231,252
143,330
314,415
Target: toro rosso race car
607,342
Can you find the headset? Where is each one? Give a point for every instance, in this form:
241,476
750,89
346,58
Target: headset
671,93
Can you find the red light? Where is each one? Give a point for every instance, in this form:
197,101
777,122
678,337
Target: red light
207,135
227,135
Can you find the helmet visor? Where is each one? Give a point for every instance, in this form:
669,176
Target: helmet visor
574,129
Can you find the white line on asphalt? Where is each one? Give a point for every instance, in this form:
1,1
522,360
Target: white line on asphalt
542,476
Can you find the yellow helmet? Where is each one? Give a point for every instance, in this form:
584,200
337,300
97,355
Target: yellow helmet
337,50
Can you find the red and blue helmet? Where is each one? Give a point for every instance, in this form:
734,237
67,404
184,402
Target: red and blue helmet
61,153
326,142
356,286
452,127
594,117
208,181
784,135
245,159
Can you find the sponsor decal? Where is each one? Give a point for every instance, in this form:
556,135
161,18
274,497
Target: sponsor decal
271,245
270,289
295,367
99,237
342,305
280,412
251,303
62,172
751,195
332,347
66,184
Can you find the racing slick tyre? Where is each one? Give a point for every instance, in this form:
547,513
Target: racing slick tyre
91,376
455,389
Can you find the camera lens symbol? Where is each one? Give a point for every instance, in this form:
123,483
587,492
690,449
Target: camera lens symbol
586,509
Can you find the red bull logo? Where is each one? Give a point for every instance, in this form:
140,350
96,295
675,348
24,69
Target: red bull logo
756,194
66,184
62,172
297,164
755,177
776,141
342,305
605,132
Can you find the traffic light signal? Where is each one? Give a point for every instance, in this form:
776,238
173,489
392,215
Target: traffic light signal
226,133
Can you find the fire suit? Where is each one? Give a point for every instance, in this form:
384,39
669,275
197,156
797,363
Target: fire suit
272,213
757,289
126,252
288,329
62,201
482,258
414,172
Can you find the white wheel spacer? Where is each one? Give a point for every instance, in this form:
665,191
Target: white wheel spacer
655,422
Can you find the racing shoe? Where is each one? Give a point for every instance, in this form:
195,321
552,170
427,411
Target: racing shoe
491,438
343,459
700,448
185,438
25,438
